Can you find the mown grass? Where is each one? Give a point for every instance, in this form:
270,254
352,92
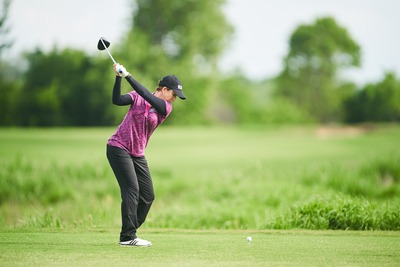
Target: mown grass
207,178
202,248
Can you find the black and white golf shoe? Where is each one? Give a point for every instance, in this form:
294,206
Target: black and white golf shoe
137,242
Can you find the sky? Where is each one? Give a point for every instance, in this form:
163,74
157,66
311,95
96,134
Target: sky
260,42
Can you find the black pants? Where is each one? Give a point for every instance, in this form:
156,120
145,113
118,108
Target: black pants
136,186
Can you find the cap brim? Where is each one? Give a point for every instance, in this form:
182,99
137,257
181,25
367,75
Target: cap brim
180,94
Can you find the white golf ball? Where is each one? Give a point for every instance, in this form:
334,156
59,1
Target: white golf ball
249,239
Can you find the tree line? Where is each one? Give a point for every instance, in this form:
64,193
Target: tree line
68,87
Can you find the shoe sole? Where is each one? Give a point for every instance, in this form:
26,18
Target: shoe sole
134,244
123,245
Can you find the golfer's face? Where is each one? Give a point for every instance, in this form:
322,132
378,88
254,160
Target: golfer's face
169,95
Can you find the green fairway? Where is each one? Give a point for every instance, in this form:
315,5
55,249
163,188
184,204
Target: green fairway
202,248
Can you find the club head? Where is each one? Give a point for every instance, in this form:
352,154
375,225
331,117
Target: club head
103,44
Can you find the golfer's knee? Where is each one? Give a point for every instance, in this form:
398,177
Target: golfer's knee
150,199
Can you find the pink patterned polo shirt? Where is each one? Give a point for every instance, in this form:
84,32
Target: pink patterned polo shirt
140,121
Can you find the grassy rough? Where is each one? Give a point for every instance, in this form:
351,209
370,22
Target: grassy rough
206,178
339,214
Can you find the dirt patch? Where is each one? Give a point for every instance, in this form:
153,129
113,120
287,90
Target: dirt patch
342,131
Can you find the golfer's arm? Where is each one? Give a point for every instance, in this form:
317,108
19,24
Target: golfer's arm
117,98
157,103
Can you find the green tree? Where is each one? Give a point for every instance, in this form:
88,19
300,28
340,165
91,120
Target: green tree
9,88
376,102
64,88
9,94
184,28
4,43
310,78
181,37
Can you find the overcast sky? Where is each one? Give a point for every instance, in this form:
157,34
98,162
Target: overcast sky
262,29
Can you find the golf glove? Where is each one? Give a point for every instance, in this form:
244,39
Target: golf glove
121,70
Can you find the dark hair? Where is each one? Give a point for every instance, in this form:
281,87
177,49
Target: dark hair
159,88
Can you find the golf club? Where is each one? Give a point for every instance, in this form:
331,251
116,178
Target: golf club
102,45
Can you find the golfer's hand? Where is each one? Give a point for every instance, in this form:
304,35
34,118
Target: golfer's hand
120,70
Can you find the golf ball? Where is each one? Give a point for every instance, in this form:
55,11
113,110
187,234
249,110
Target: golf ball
249,239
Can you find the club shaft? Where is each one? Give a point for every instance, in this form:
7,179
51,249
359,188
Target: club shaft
108,52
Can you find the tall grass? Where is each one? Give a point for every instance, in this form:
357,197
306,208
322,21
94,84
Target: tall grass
207,178
340,213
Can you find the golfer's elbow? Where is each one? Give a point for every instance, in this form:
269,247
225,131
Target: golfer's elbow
117,101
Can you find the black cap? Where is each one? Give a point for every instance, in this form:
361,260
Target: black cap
172,82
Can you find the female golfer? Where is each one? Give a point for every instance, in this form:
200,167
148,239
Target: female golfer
125,148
